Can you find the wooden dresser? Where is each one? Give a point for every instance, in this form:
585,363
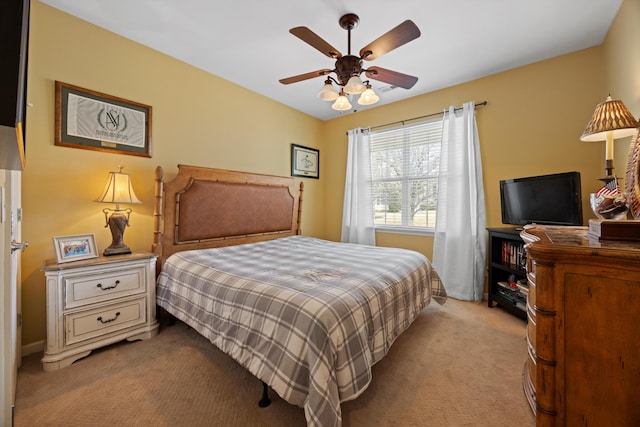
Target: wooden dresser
583,328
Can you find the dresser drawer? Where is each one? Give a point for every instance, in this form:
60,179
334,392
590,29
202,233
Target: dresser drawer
84,325
98,286
531,332
531,366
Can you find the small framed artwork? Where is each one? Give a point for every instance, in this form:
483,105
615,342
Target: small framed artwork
75,248
96,121
305,161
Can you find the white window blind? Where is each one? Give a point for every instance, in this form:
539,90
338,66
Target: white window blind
405,163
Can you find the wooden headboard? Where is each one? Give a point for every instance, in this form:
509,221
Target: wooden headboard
208,208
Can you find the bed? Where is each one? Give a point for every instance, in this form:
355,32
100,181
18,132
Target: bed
308,317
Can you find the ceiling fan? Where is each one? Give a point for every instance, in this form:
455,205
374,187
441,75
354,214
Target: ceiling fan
349,67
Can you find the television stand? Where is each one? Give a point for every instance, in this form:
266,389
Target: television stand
507,271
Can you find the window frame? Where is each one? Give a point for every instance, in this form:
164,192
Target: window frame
405,180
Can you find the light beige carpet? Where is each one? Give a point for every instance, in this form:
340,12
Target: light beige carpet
457,365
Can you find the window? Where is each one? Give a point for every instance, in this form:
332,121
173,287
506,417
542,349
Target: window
404,172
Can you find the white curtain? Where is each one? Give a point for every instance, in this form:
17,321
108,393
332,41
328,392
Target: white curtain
357,212
459,249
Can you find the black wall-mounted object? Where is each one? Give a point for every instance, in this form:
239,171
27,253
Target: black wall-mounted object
14,45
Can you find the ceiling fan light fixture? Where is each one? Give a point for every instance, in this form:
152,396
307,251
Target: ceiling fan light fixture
328,92
368,97
348,68
342,103
354,86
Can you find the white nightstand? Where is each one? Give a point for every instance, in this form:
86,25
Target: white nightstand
96,302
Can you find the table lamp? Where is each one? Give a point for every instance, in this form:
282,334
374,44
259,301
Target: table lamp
611,120
118,190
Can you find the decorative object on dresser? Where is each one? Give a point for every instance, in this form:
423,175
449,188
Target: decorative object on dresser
614,230
75,248
611,120
507,284
583,366
93,303
118,190
632,182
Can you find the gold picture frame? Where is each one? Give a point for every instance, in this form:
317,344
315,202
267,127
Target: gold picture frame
96,121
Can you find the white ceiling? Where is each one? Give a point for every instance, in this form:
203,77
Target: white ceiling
248,41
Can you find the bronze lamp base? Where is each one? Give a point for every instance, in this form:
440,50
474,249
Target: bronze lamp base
117,224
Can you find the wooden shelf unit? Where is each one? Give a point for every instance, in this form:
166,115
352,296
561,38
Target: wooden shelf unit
502,265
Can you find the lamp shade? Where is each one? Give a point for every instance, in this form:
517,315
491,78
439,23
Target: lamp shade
368,97
354,86
118,189
609,116
328,92
342,103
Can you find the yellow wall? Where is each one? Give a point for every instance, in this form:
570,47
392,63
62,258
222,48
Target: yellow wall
249,132
532,123
621,69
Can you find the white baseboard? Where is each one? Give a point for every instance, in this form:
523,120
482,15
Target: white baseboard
34,347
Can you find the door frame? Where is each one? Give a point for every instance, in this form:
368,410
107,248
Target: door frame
10,326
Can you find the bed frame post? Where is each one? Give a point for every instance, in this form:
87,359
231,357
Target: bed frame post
299,225
157,218
265,401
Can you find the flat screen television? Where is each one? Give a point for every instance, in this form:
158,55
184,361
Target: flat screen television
554,199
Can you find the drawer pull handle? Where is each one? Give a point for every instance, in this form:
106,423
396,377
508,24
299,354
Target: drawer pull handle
99,319
106,288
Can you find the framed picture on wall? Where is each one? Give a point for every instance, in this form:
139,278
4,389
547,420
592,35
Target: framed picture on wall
97,121
305,162
75,248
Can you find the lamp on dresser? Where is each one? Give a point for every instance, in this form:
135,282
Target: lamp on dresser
119,191
610,120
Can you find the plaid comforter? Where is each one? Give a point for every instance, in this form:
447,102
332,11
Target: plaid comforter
308,317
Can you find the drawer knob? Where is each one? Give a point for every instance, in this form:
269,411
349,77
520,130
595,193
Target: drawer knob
106,288
99,319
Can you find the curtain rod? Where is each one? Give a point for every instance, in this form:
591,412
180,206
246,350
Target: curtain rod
479,104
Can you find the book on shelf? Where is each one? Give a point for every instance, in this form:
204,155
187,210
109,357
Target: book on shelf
514,255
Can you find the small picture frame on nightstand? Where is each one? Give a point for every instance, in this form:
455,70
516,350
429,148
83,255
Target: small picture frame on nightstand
75,248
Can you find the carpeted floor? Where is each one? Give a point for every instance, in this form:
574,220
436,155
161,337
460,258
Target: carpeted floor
458,365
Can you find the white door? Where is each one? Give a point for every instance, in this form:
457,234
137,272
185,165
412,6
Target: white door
10,323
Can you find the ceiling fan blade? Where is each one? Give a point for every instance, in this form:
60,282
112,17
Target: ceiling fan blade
308,36
392,77
392,39
305,76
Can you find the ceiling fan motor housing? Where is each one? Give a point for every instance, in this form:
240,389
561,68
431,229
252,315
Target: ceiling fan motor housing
347,67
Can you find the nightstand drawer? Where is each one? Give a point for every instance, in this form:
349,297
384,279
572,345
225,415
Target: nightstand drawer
89,324
100,286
